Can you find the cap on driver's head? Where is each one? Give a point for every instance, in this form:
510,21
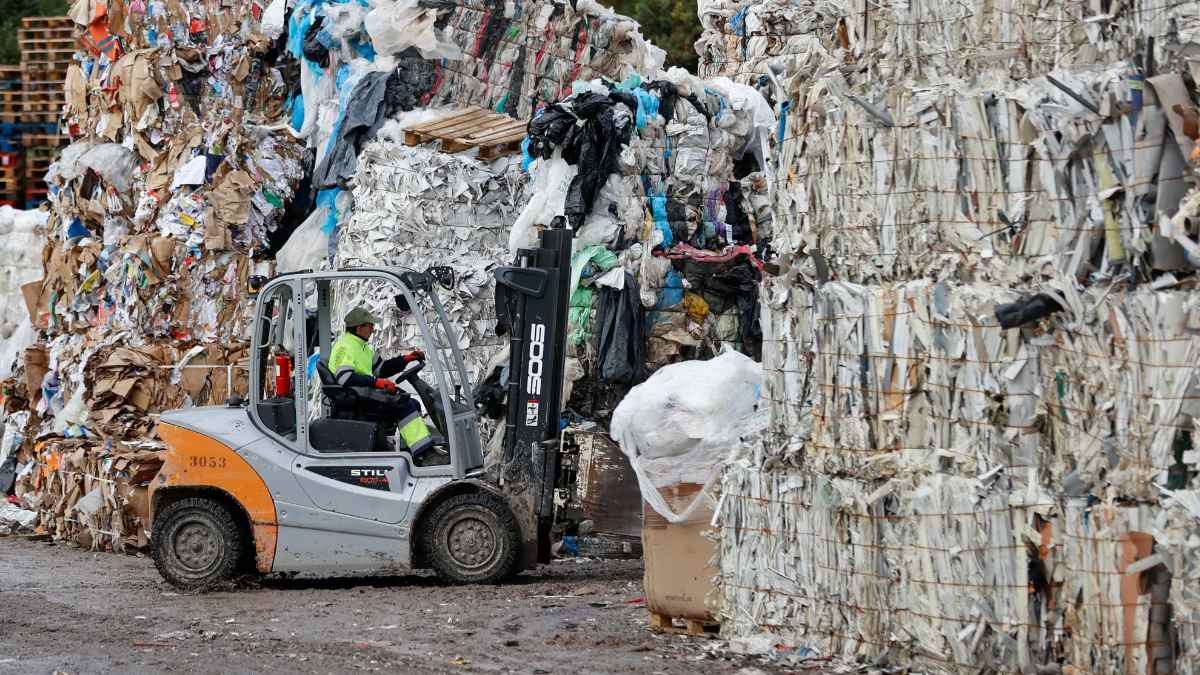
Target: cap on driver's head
358,316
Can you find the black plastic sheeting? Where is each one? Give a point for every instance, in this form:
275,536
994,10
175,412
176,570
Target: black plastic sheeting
592,146
735,212
296,211
8,474
377,97
313,49
621,334
727,286
1026,310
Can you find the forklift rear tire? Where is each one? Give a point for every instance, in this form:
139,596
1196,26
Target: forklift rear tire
197,543
473,539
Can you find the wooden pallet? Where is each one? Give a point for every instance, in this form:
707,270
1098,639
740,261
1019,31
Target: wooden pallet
494,134
30,34
46,71
665,624
42,106
42,96
46,54
33,86
42,148
47,22
42,143
63,41
29,117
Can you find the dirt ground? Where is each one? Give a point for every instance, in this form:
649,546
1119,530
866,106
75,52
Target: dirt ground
66,610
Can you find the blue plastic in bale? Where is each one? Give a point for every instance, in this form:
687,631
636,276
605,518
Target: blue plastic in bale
328,199
298,112
658,208
647,107
76,229
672,291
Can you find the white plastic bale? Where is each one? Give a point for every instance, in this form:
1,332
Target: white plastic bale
20,262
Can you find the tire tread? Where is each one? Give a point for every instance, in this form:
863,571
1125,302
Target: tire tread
510,554
229,530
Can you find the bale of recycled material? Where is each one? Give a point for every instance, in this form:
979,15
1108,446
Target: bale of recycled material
419,208
90,493
1112,586
1176,538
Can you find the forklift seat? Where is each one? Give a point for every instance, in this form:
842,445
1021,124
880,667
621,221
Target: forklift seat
342,400
361,414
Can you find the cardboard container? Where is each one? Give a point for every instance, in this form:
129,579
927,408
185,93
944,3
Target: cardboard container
680,566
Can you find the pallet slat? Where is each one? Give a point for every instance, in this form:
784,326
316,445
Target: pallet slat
494,134
47,22
665,624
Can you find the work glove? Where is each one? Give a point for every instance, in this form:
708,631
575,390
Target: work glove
415,355
386,385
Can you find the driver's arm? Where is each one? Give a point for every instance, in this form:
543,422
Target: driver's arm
348,377
395,366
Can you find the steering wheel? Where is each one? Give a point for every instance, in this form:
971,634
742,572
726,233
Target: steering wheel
410,372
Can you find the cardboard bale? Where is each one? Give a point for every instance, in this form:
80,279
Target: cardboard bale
91,493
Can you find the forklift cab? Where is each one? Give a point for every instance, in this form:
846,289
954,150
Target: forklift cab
296,400
305,477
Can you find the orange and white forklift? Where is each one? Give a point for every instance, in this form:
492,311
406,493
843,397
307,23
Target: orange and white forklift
289,483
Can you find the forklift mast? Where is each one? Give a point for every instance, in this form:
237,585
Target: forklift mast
532,297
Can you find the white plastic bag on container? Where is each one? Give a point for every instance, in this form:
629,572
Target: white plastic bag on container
680,424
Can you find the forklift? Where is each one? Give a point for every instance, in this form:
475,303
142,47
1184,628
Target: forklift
287,483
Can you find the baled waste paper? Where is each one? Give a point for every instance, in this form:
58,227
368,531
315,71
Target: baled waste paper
976,358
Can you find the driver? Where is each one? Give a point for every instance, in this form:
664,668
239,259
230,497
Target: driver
354,364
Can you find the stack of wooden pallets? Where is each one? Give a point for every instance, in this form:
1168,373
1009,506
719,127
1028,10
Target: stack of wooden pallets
48,45
11,157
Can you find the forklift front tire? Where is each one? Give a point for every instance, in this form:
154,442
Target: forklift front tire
197,544
473,539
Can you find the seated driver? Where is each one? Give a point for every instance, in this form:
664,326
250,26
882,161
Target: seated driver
354,364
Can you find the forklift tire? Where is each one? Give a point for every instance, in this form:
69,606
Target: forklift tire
473,539
197,544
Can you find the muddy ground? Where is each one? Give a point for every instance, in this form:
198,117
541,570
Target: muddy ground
66,610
